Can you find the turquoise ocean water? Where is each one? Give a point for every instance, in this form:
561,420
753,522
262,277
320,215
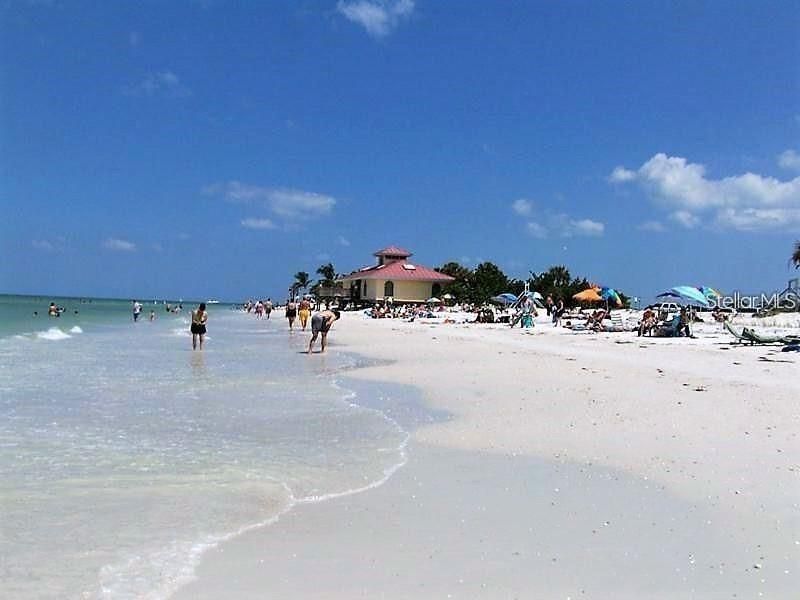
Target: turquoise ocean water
124,455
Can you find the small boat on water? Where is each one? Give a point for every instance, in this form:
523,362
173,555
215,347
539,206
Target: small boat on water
212,301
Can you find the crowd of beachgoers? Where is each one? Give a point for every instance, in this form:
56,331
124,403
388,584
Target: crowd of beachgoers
666,319
662,319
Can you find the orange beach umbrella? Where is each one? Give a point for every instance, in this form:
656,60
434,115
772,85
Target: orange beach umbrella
588,295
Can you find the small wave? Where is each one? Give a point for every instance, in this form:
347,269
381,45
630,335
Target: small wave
176,563
53,334
76,329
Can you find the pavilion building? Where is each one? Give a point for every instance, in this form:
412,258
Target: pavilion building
395,278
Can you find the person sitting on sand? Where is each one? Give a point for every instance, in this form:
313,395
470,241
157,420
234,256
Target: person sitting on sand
683,326
595,320
321,323
648,323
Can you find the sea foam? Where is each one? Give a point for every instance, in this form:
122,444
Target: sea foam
53,334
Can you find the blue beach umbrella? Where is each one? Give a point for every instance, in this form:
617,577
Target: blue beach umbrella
505,298
610,294
688,292
668,294
709,292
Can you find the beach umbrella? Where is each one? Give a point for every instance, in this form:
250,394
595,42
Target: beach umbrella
537,296
610,295
588,295
709,292
504,298
688,292
668,294
433,300
448,296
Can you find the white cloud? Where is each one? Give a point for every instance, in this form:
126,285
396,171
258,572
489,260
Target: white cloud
522,207
735,202
585,227
162,83
536,230
297,204
759,219
378,17
685,218
563,225
789,159
255,223
652,226
621,174
288,204
119,245
343,241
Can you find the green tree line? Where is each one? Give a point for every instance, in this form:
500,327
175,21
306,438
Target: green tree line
486,280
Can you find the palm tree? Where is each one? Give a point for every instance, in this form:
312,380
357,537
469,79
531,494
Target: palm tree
328,274
301,281
796,255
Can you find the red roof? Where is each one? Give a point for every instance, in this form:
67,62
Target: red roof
393,251
400,270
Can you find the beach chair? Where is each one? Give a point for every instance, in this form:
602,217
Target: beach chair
756,338
668,329
753,338
617,323
739,336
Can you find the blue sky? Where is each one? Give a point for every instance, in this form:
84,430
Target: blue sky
199,149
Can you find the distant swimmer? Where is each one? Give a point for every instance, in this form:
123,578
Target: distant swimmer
137,310
53,310
199,319
321,324
152,315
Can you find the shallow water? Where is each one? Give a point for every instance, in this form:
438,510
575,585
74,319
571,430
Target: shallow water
124,454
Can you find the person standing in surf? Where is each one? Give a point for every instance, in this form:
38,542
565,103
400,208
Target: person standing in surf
198,328
321,324
291,313
268,307
304,311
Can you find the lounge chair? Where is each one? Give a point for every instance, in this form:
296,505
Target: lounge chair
739,336
753,338
669,328
617,323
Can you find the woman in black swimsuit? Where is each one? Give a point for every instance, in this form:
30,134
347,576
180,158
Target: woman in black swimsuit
291,313
198,328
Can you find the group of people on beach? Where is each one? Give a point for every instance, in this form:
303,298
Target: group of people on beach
320,321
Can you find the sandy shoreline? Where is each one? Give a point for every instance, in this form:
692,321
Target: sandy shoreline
573,465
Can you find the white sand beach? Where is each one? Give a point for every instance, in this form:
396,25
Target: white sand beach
570,465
